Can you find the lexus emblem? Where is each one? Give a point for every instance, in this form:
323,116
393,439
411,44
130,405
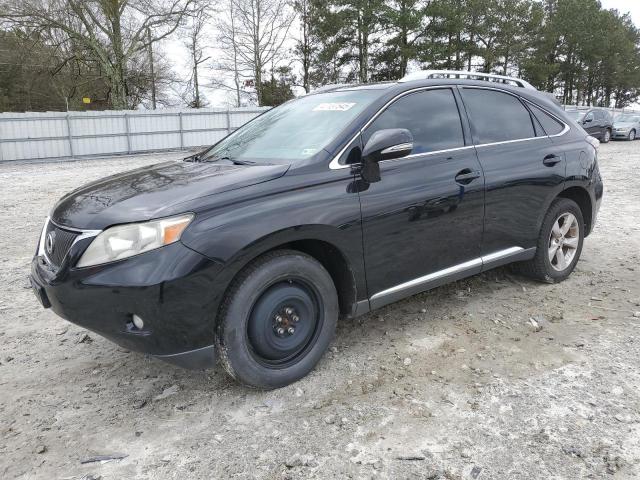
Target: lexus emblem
49,241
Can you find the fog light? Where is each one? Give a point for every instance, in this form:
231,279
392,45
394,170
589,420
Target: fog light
137,321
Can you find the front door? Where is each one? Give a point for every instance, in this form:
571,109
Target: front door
592,124
422,222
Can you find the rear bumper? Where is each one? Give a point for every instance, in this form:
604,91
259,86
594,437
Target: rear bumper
173,289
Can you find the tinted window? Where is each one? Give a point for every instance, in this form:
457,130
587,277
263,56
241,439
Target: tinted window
431,116
551,125
497,116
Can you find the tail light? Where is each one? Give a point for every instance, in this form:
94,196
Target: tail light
594,142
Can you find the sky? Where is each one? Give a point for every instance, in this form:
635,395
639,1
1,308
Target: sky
625,6
177,54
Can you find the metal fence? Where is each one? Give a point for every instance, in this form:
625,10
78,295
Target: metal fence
42,135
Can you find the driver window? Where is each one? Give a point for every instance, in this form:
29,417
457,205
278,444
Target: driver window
431,116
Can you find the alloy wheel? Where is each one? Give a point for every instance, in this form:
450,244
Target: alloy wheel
563,241
632,135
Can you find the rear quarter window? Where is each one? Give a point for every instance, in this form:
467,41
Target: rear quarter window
550,125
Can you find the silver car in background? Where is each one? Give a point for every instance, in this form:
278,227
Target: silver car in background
627,126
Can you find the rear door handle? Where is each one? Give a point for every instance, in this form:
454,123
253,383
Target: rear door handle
551,160
467,176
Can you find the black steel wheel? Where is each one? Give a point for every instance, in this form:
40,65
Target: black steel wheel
277,320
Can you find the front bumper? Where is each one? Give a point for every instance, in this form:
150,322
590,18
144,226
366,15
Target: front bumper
173,289
620,133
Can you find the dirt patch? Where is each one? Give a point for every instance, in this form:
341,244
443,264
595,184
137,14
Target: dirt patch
453,383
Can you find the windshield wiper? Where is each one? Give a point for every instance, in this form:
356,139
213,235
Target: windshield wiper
234,160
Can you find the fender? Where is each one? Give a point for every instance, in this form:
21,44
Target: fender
326,209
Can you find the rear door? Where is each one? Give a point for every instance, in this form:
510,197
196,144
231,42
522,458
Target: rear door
523,172
422,222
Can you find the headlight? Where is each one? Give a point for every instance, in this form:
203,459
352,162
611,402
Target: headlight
124,241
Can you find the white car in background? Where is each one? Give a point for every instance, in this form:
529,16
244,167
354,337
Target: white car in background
626,126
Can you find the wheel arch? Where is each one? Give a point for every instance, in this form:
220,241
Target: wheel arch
581,196
333,258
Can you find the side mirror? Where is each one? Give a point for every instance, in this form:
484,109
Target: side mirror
588,120
388,144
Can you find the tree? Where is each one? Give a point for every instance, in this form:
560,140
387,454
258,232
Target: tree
405,24
195,34
305,48
113,32
277,89
253,35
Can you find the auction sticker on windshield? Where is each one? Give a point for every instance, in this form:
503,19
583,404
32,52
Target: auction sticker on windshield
333,107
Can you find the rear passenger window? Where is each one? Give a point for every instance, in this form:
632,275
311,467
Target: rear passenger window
431,116
551,125
497,116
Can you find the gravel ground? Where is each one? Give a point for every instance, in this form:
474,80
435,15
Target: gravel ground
456,383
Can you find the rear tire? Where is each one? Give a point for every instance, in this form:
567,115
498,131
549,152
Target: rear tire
559,243
277,320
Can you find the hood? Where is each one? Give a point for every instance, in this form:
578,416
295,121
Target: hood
624,124
154,191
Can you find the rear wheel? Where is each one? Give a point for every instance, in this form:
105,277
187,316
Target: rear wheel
559,243
277,320
607,136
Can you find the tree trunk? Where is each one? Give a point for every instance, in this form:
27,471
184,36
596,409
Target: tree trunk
118,70
151,71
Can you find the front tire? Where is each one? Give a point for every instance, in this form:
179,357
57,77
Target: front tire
559,244
277,320
607,136
632,136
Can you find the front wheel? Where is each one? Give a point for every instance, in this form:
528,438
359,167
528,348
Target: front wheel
559,243
277,320
607,136
632,136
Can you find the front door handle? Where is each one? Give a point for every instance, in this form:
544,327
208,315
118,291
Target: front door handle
551,160
467,176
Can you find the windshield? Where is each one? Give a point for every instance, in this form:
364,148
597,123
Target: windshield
295,130
575,114
628,118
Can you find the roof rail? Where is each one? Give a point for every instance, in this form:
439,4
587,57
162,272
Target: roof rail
490,77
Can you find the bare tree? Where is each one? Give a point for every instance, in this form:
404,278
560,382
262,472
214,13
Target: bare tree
253,36
199,17
114,32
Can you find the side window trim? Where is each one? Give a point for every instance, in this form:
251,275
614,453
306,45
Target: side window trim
552,115
335,162
522,100
529,105
452,90
519,99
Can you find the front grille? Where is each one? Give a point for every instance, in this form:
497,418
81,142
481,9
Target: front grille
57,242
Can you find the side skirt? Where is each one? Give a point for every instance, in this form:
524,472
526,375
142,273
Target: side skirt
451,274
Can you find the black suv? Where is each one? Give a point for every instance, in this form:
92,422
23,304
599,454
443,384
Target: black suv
335,203
597,122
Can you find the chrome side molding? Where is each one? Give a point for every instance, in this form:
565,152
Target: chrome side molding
491,258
